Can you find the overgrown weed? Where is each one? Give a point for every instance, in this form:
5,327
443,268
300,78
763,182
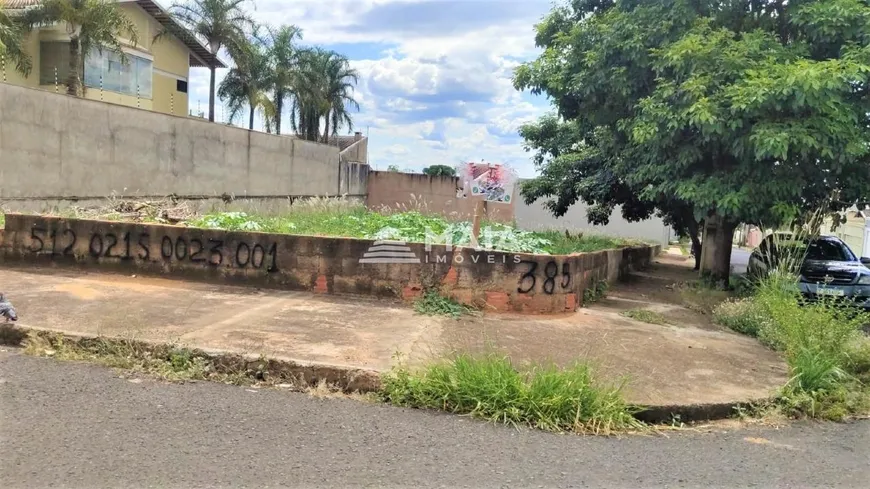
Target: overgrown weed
490,387
433,303
595,292
821,340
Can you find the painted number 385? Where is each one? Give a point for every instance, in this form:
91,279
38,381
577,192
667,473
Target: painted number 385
550,273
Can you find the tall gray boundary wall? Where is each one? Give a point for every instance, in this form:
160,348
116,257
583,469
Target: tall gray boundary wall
55,147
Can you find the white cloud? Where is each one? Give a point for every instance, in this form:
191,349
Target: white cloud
435,75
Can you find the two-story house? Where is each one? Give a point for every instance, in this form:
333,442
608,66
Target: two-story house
155,76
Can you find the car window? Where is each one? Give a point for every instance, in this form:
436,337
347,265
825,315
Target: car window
829,250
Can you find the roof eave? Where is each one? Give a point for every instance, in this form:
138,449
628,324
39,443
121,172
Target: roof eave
200,56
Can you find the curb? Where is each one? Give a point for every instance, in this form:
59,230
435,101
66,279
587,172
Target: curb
345,378
692,412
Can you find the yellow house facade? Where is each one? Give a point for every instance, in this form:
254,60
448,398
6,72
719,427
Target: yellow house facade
155,76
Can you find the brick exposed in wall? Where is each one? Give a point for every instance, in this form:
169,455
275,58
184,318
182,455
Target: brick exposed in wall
492,280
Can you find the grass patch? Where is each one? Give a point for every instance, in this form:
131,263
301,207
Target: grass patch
322,216
741,315
595,292
489,387
645,316
409,226
432,303
564,243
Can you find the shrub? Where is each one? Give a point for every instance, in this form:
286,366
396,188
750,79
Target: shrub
823,326
432,303
489,387
595,292
858,359
820,342
742,315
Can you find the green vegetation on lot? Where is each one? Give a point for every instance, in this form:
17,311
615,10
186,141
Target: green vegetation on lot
490,387
411,226
827,354
343,218
645,315
595,292
433,303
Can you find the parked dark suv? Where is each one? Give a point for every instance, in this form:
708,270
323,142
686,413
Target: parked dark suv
829,267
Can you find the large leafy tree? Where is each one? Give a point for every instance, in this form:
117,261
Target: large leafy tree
247,83
91,25
221,23
733,111
440,170
12,35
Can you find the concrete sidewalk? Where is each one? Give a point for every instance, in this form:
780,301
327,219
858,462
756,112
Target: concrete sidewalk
666,365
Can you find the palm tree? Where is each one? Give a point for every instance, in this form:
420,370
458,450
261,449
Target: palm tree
340,82
285,61
266,106
323,90
91,24
12,41
248,81
221,23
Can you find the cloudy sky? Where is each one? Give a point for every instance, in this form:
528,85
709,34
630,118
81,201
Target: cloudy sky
435,83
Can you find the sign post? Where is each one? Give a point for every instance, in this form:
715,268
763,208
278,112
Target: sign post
488,182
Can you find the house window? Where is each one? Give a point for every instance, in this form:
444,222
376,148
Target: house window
53,56
181,86
132,77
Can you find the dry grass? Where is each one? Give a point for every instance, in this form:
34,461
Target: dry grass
175,363
645,316
168,210
700,298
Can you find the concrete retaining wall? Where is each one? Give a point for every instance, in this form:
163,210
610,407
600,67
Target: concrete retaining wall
536,217
61,148
398,191
488,279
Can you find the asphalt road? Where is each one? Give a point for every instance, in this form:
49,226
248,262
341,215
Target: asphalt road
77,425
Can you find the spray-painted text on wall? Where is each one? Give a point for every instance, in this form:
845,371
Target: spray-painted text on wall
141,246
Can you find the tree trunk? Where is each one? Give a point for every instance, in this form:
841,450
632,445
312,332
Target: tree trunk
717,250
211,94
251,119
696,250
696,242
73,82
279,107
